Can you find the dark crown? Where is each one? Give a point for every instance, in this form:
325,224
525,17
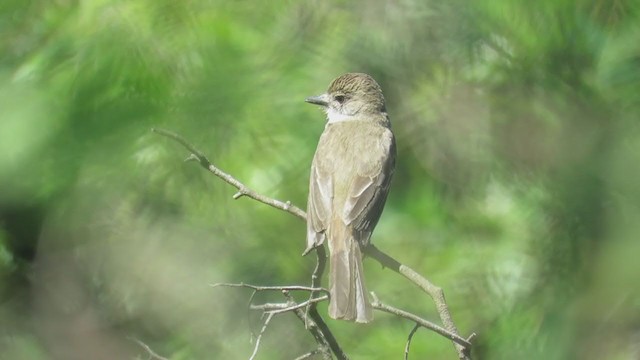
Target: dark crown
358,85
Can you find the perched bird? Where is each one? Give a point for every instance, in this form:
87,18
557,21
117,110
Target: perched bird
350,177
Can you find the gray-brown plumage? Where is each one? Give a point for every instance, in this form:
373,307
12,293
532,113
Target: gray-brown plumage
350,177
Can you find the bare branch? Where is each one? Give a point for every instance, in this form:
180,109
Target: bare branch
418,320
308,355
264,328
266,307
272,288
408,345
312,320
301,305
434,292
316,277
279,308
146,347
243,190
463,346
319,328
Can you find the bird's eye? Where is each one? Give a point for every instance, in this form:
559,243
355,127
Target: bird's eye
340,98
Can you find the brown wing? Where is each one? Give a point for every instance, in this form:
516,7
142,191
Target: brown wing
318,204
368,192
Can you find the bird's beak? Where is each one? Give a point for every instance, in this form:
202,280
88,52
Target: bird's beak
322,100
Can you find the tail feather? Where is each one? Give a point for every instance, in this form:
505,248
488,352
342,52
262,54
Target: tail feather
349,299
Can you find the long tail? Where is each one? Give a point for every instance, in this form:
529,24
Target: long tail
349,299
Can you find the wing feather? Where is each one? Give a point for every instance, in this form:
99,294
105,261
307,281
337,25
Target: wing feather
369,189
319,205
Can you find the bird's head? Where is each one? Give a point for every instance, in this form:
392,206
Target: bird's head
350,96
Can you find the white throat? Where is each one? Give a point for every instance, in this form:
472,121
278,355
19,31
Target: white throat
335,116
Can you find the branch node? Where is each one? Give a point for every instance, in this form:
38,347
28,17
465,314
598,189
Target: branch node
239,194
191,157
375,301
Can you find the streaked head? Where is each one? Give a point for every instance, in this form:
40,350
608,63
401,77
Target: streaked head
350,95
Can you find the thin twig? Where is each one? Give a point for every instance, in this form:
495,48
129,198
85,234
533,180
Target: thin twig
264,328
272,288
434,292
146,347
279,308
316,277
249,304
266,307
308,355
243,190
301,305
311,323
408,345
376,304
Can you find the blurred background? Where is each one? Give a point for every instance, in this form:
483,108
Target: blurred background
517,187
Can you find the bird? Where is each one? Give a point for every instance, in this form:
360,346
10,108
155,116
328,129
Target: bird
349,182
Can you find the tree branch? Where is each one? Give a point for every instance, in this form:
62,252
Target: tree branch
243,190
308,355
311,318
264,328
418,320
274,288
333,342
463,346
282,308
434,292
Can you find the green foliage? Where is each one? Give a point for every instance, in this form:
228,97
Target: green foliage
516,186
